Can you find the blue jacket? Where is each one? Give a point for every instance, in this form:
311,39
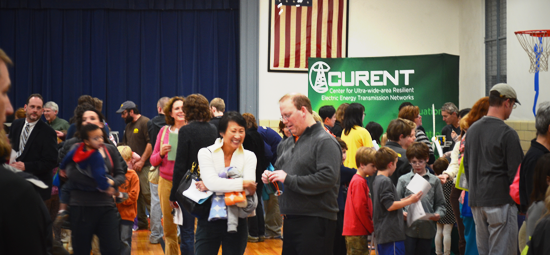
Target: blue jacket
271,138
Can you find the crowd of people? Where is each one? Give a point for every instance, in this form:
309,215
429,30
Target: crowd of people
331,184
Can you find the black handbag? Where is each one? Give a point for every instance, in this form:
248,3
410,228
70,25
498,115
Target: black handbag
201,211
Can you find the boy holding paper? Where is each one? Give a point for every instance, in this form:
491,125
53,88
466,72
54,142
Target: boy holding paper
387,204
420,233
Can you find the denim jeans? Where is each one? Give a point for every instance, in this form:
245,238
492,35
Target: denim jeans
126,237
155,215
187,233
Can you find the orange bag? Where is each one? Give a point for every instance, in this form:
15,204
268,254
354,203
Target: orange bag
232,198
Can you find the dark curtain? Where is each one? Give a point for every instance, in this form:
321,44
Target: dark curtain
121,54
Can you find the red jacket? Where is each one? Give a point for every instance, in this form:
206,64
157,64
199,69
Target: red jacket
128,209
358,211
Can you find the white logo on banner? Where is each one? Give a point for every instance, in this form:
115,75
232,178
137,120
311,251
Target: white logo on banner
320,68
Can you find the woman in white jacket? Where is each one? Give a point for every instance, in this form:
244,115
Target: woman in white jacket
225,152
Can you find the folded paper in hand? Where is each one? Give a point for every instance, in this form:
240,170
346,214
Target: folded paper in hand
418,183
195,194
416,211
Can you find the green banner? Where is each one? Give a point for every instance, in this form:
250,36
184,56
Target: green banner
381,84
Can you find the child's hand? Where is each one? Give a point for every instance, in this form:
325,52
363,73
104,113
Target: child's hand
436,217
415,197
110,191
111,182
62,173
405,216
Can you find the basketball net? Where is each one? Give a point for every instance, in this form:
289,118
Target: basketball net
537,45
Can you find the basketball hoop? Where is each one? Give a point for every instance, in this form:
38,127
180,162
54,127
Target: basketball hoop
537,45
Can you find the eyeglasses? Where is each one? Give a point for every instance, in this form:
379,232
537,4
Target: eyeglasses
286,117
419,163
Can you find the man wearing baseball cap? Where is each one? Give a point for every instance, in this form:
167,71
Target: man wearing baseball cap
136,135
492,154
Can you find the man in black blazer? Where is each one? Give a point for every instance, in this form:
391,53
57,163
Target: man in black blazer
37,152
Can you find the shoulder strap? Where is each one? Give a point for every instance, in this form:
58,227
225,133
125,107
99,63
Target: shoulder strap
163,134
108,155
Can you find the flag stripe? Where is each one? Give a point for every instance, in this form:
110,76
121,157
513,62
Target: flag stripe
328,48
319,28
298,37
276,40
334,32
303,40
307,31
288,15
340,25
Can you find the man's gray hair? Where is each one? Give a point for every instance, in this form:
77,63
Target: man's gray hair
543,118
162,102
52,105
450,108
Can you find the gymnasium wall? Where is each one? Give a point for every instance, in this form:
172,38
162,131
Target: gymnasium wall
376,28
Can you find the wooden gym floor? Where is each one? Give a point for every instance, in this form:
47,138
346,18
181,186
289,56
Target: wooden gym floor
142,246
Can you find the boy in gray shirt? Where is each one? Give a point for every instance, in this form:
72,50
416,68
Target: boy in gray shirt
387,205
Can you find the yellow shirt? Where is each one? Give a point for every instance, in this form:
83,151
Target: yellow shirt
358,137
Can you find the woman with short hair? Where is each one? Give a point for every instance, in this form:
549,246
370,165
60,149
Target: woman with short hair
198,133
213,160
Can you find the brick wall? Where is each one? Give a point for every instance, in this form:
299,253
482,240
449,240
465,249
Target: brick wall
526,132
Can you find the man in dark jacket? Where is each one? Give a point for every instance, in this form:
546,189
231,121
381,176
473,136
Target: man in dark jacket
539,147
35,143
310,164
153,126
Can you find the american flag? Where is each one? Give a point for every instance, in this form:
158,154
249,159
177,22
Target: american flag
298,33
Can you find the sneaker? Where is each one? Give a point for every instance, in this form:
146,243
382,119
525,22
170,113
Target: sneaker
253,239
61,218
274,237
154,240
261,238
123,198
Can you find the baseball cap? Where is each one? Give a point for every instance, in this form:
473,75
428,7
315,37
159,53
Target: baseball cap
126,105
506,91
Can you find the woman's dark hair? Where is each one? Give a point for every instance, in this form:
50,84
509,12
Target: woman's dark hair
231,116
86,129
542,170
196,108
463,112
79,123
79,110
375,130
353,117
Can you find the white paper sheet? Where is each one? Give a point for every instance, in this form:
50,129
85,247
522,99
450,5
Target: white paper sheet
418,183
13,156
178,216
194,194
416,212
